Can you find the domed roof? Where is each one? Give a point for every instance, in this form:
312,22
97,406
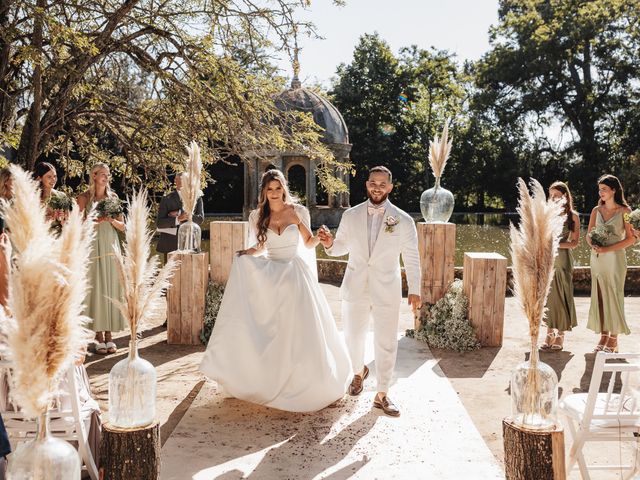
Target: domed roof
324,113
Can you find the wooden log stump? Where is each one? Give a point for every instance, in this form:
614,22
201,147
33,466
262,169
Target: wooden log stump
186,297
531,455
130,454
226,238
484,280
437,246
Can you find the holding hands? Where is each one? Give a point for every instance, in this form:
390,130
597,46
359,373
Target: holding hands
325,236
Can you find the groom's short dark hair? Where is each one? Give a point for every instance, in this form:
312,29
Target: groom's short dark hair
381,169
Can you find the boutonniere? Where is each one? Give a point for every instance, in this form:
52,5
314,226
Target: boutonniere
390,223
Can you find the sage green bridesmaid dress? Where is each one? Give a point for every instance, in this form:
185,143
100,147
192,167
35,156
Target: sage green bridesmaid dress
608,270
561,309
104,282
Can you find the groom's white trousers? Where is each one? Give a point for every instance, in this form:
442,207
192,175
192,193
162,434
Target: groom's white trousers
356,316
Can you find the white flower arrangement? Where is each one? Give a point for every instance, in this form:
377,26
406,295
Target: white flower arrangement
445,324
390,223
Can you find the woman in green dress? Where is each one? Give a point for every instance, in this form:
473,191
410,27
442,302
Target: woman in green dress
561,310
609,263
103,274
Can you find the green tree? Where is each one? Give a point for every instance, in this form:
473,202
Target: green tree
570,62
367,94
132,82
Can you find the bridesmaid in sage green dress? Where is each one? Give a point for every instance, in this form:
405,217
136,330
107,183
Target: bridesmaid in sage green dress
103,275
561,310
609,265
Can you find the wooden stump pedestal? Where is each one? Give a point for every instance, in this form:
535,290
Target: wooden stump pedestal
226,238
484,281
531,455
130,454
437,246
186,297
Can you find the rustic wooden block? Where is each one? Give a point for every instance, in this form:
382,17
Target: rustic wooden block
484,279
437,246
186,297
226,238
533,455
132,454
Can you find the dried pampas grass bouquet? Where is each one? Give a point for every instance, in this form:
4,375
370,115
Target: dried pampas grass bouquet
45,332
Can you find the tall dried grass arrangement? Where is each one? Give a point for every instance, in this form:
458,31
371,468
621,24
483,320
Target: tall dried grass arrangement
142,279
46,332
534,246
190,191
439,150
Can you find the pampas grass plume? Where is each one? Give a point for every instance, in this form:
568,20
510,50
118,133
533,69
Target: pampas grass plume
439,150
46,332
142,279
534,246
190,191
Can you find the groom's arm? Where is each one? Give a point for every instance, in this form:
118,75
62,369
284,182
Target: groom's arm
340,245
411,257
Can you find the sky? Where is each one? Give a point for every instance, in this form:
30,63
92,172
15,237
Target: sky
460,26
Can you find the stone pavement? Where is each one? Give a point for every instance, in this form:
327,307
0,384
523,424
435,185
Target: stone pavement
434,437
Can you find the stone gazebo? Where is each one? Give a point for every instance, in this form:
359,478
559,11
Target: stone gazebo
324,209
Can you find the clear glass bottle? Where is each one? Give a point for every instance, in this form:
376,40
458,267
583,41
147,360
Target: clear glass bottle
436,204
45,457
189,237
132,391
534,394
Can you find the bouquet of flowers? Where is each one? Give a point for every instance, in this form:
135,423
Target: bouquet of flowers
60,201
60,204
109,207
600,234
633,218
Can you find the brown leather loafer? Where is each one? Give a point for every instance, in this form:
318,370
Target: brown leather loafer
387,406
357,386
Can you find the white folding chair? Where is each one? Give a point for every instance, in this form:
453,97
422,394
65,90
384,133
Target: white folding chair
65,423
603,416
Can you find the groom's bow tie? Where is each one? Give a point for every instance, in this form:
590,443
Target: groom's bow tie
372,210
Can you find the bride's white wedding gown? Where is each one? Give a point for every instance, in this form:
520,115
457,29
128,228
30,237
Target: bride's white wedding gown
275,341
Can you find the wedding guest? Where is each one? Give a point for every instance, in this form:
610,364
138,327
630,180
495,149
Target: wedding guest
6,184
170,216
103,275
46,175
5,255
609,264
5,449
561,309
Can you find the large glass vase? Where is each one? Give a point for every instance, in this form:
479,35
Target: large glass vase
132,391
534,394
44,458
436,204
189,237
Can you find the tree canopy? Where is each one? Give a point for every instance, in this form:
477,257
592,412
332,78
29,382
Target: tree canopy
131,83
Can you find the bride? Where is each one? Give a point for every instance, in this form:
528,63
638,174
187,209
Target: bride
275,341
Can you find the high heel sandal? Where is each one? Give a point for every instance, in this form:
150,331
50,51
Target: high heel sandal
611,348
558,342
548,340
604,338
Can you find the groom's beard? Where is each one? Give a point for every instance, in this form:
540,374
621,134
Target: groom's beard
379,200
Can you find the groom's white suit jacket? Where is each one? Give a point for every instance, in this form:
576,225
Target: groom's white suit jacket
376,278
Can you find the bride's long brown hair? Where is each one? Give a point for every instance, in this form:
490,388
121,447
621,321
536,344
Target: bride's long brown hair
569,211
264,212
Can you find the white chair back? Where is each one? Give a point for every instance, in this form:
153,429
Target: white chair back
65,416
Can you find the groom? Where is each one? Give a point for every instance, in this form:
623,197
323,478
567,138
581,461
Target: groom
375,234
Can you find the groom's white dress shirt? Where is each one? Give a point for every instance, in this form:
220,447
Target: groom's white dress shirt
375,216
